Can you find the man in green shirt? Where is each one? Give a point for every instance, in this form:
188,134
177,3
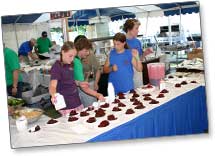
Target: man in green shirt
13,76
78,69
43,45
83,47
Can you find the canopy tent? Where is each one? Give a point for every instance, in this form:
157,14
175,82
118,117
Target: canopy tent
30,18
82,17
171,9
24,19
20,28
86,17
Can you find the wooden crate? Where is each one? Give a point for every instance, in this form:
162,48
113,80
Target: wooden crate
196,53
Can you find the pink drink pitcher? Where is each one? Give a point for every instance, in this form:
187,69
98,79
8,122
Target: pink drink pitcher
156,72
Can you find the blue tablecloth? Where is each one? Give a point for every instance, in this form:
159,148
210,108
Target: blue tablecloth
185,114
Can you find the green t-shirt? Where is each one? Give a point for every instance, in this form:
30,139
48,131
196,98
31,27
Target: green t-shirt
43,45
78,69
11,63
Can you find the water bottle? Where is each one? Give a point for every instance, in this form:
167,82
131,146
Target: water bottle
111,93
162,84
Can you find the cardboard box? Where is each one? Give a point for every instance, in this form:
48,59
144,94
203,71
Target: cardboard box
196,53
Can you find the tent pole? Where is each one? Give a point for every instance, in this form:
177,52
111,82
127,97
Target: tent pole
67,33
17,44
147,18
76,25
64,27
170,30
180,26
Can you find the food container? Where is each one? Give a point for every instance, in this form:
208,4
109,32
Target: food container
21,123
31,114
60,102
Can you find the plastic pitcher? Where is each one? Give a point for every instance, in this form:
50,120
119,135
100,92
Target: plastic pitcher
156,72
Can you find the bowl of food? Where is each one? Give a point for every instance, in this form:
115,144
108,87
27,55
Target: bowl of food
32,114
15,102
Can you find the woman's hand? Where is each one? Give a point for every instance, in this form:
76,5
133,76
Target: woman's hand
114,68
14,91
136,60
135,53
96,87
100,97
53,99
10,110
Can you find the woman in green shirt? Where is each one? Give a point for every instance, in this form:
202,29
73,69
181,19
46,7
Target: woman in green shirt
13,76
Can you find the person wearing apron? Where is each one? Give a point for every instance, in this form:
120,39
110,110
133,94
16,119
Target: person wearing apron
63,82
83,47
131,28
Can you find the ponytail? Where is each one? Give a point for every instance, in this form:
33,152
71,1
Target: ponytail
126,46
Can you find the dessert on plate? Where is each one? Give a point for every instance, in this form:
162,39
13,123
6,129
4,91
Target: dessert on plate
129,111
106,105
164,91
132,91
121,96
116,109
147,94
73,112
104,123
177,85
160,95
170,77
98,110
133,99
147,98
84,113
116,101
111,117
52,121
73,118
154,102
100,113
183,82
91,119
140,106
121,104
135,95
90,108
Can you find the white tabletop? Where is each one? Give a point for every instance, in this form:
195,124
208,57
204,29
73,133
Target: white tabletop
79,132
